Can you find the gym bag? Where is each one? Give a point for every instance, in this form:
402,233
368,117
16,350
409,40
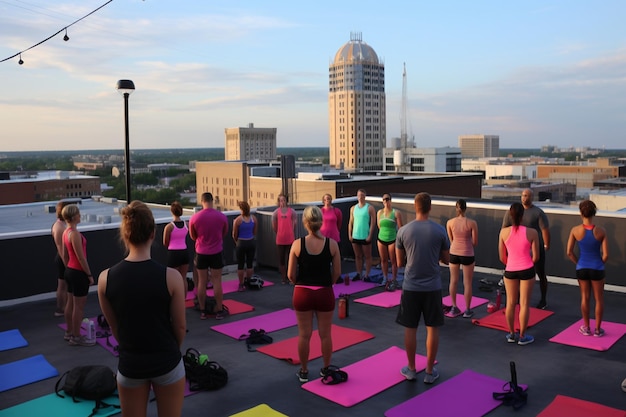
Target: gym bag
256,337
92,382
203,374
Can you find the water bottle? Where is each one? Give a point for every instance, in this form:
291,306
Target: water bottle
91,330
498,299
342,306
346,279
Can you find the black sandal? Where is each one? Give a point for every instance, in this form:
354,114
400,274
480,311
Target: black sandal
334,376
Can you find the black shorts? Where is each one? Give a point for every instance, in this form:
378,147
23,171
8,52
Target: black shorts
361,242
414,304
382,242
214,261
176,258
58,262
77,282
524,275
463,260
587,274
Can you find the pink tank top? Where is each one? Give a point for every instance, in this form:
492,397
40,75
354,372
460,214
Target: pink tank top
284,227
462,243
178,237
518,248
73,261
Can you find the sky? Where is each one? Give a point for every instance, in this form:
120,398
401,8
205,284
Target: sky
534,72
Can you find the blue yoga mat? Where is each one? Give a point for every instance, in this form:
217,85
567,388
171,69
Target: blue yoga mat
53,405
12,339
25,371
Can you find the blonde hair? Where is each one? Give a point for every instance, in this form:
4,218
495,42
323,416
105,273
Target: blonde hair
312,218
69,212
137,225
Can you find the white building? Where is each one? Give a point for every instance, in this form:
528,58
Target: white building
445,159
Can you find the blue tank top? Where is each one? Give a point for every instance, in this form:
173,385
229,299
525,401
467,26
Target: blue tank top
361,223
246,229
590,257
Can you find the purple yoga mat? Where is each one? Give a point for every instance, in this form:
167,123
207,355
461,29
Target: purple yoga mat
367,378
468,394
354,287
571,336
269,322
101,339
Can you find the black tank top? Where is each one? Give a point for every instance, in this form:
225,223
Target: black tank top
141,301
315,269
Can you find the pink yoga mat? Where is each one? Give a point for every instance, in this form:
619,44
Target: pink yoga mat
460,302
571,336
288,349
233,286
573,407
385,299
367,378
269,322
468,394
497,320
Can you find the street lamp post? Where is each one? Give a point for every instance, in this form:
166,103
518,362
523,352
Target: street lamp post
126,87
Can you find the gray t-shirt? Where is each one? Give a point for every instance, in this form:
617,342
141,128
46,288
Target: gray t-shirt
534,218
423,242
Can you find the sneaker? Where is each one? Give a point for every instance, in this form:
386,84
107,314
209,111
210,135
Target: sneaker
220,315
241,288
585,331
598,333
542,305
454,311
409,374
446,309
59,313
511,337
468,314
624,385
67,337
356,277
302,375
526,340
430,378
501,282
366,278
203,316
81,341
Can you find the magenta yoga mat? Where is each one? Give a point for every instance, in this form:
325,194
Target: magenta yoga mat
468,394
269,322
385,299
460,302
571,336
354,287
233,286
367,378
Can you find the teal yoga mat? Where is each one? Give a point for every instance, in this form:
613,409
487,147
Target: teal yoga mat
25,371
12,339
53,405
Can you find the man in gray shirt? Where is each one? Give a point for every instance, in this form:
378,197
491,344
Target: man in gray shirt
424,244
536,219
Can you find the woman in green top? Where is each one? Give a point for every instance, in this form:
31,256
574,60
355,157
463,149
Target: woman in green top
389,221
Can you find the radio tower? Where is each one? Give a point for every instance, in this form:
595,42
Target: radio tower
403,131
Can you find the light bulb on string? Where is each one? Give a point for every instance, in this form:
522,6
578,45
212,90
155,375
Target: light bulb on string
66,38
20,61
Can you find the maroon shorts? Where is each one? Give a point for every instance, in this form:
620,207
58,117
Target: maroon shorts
307,299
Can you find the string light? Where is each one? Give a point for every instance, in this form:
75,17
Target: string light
65,38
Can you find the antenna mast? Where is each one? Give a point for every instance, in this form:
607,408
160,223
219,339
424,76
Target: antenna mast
403,130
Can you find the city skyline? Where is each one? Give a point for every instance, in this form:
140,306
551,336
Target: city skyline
536,73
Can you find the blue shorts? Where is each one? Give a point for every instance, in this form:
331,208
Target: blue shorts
166,379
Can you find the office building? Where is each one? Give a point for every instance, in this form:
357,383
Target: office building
356,107
250,143
479,146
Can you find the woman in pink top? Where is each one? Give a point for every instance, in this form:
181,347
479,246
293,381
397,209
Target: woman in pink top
463,235
78,276
515,245
284,225
331,225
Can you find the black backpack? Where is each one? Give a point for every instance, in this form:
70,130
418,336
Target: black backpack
256,337
254,283
91,382
203,374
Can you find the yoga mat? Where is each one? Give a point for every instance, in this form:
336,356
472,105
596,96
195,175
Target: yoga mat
288,349
101,339
12,339
571,336
261,410
460,302
467,394
385,299
269,322
367,378
354,287
52,405
573,407
497,319
234,306
24,372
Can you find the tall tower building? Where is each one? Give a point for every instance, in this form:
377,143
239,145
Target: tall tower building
479,146
356,107
250,143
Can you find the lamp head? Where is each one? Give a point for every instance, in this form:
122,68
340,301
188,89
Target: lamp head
20,61
125,86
